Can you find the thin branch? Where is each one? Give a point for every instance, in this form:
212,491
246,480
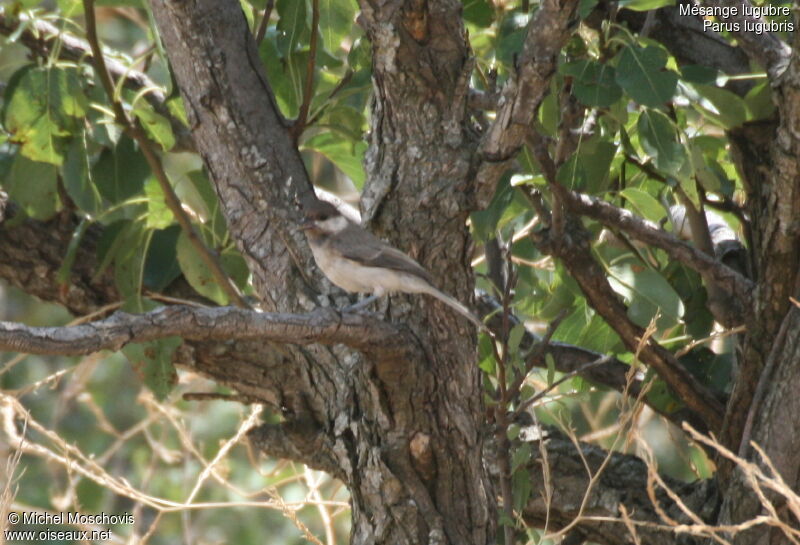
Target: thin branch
535,358
577,372
302,117
339,86
323,326
42,38
134,129
262,27
567,357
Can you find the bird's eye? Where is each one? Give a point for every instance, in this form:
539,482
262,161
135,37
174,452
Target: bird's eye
323,217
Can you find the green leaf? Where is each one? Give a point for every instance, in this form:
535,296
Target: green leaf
347,156
595,84
643,203
33,186
648,293
197,273
346,120
284,75
161,263
510,38
120,174
521,456
660,396
595,157
209,208
247,9
235,266
549,114
152,360
484,222
641,72
521,487
336,18
570,330
659,140
598,336
572,173
72,251
729,110
156,125
704,173
77,175
551,368
111,240
697,73
585,7
159,216
486,355
43,107
759,101
515,337
478,12
292,27
70,8
130,249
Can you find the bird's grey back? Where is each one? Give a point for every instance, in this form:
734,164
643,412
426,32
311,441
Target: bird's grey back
366,248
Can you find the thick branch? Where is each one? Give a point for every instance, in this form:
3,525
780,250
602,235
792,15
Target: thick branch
548,31
573,249
647,232
197,323
622,483
765,48
32,253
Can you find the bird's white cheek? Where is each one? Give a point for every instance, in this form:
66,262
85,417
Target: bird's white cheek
335,224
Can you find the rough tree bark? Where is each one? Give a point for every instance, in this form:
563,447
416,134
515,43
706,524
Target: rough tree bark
404,430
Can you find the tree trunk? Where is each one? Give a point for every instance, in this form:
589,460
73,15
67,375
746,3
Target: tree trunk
402,432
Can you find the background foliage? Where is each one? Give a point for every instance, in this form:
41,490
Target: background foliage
658,142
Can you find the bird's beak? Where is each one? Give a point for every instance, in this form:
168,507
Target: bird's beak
306,224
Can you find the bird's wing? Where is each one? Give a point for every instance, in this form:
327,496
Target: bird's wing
367,249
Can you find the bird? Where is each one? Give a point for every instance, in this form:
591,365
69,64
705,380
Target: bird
359,262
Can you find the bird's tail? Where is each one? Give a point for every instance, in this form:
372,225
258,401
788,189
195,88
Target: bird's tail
457,305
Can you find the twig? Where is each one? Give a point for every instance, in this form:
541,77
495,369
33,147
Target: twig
302,117
45,40
134,129
502,420
339,86
528,402
713,337
262,27
537,354
217,396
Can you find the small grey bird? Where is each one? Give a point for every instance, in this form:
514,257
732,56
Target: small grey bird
358,262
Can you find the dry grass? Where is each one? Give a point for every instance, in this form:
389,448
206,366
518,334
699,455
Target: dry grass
169,434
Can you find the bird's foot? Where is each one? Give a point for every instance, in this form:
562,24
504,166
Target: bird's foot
361,304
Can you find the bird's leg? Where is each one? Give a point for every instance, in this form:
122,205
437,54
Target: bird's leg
361,304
